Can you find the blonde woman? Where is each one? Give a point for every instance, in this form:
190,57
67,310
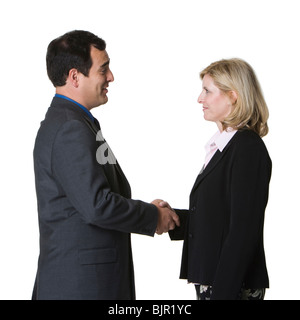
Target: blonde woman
223,252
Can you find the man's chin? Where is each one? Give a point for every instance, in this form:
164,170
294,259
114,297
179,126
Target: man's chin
105,100
100,103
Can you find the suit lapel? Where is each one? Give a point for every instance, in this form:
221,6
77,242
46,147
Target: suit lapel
212,164
91,124
114,169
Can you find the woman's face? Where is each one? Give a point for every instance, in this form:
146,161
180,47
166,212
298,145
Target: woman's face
216,104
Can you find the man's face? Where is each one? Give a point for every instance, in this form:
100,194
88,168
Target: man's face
93,89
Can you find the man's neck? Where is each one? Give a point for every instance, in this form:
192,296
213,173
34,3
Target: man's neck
71,95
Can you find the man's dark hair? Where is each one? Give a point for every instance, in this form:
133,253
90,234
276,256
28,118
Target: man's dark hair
72,50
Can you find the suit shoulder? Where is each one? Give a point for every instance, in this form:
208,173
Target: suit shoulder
248,135
60,120
248,138
60,113
63,112
248,141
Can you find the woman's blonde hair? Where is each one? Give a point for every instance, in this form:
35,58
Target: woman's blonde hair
250,109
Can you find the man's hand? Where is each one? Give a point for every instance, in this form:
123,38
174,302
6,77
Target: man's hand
167,218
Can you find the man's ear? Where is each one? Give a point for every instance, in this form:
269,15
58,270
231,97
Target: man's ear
73,77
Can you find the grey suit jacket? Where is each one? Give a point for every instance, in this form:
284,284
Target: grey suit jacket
85,210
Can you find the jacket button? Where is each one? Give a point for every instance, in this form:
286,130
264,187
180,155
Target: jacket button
190,235
193,209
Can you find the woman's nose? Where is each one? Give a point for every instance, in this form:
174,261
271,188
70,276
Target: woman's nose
200,98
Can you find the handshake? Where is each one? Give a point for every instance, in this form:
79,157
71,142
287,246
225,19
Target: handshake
167,218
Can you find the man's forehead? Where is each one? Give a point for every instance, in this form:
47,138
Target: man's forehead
99,56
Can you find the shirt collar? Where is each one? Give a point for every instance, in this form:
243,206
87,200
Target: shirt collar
220,139
78,104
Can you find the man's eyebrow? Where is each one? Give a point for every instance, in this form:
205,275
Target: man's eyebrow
105,63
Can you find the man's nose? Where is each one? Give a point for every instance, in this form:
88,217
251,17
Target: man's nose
110,76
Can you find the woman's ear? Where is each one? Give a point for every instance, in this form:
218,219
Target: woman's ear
233,96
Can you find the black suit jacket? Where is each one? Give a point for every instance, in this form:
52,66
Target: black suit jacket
85,212
223,228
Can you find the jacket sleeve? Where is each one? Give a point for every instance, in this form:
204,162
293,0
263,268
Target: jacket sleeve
84,182
179,232
251,172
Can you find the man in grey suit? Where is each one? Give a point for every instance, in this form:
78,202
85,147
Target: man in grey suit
85,209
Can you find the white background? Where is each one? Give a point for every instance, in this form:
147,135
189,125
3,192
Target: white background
152,121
